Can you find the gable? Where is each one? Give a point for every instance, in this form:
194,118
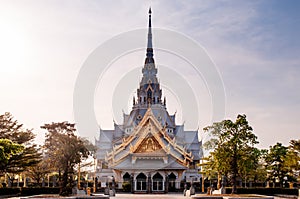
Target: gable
149,140
149,144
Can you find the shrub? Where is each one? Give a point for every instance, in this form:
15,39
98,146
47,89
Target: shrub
36,191
9,191
126,186
264,191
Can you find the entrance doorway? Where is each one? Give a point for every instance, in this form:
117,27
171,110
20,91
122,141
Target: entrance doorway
141,184
157,182
172,181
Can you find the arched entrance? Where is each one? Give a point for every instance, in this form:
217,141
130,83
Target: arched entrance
141,182
158,183
172,181
126,177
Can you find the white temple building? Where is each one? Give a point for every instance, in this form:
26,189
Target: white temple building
149,150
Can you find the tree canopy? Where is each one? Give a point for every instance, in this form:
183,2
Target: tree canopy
64,150
11,130
293,159
8,149
233,143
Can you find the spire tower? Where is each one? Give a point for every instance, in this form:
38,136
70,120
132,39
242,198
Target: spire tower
149,54
149,91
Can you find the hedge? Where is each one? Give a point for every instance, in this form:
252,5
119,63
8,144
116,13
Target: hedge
41,190
29,191
265,191
9,191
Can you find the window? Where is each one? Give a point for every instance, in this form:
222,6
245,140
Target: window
157,182
126,177
141,182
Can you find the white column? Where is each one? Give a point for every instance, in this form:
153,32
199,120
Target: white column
25,181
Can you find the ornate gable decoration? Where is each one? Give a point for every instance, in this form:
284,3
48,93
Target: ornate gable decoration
148,139
148,145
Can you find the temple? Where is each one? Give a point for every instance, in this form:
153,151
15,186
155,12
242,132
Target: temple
149,151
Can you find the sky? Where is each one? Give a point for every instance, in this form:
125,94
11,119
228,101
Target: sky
253,44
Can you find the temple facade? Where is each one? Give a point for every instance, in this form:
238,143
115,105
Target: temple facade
148,150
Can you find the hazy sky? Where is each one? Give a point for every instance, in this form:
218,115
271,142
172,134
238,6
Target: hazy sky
254,44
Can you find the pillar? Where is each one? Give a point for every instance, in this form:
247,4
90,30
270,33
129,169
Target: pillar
202,182
25,181
167,184
268,184
132,183
149,184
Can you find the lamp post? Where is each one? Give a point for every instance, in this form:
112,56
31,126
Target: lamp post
95,186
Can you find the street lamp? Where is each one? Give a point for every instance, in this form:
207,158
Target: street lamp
95,166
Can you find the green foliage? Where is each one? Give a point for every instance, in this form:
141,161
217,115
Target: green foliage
8,149
292,160
10,129
126,186
64,150
260,173
233,144
277,163
209,167
265,191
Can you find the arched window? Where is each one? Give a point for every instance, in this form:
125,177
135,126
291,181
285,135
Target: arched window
126,177
172,179
149,95
141,182
157,182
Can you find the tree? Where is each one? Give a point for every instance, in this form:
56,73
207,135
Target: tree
8,149
260,173
276,163
248,163
39,172
209,169
64,151
10,129
231,142
293,160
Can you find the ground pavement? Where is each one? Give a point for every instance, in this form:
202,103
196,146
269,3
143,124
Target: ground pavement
148,196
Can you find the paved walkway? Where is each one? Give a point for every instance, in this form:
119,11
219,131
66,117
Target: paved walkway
147,196
157,196
141,196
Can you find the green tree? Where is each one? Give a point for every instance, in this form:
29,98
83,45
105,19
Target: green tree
8,149
248,163
231,142
260,173
208,167
276,163
64,151
10,129
293,160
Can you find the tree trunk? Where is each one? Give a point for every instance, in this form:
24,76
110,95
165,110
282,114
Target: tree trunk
64,190
234,167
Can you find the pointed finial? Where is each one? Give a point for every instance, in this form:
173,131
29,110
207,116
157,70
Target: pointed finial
149,53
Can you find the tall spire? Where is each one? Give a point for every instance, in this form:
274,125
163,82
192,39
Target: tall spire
149,31
149,58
